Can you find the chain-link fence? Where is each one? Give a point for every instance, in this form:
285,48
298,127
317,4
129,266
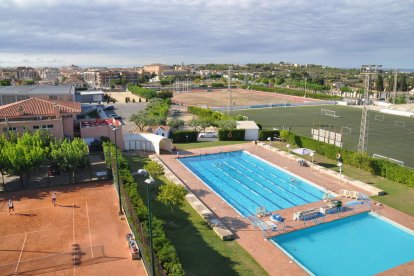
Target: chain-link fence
45,176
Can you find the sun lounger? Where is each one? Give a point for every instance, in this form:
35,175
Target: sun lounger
272,226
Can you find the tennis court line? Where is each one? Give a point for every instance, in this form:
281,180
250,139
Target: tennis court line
21,253
31,232
89,228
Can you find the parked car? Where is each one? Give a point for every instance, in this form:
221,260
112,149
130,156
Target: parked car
115,116
109,107
208,135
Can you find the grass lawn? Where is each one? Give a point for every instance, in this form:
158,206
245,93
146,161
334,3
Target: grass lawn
196,145
200,250
399,196
389,135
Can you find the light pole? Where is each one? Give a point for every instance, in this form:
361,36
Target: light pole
114,128
311,154
340,171
149,182
288,146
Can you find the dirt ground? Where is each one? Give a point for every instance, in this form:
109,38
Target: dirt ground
82,235
240,97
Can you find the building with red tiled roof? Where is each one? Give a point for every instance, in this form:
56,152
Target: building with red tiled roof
33,114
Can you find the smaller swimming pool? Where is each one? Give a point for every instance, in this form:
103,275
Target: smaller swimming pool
362,244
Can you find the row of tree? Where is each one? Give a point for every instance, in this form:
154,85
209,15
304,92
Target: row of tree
154,114
24,154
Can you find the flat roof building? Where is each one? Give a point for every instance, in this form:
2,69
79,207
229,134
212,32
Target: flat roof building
11,94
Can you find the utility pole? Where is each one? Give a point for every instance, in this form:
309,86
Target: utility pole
395,85
366,70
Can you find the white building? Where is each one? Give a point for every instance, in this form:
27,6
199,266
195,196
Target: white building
251,130
162,131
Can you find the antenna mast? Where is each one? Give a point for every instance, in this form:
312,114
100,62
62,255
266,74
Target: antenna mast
366,70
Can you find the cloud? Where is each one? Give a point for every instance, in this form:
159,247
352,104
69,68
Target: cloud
335,33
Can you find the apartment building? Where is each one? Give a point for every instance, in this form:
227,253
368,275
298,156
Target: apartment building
104,78
156,68
26,73
48,73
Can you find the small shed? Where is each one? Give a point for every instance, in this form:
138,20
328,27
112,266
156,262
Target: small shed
162,131
251,129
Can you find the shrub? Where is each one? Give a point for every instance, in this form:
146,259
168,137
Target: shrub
378,167
231,134
182,136
265,133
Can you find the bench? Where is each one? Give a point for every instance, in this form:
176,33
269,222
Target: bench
133,247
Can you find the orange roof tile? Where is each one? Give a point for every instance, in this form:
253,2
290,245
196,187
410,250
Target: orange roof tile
38,107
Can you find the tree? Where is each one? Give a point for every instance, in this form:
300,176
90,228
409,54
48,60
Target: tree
5,83
403,83
69,155
173,195
3,158
25,153
200,124
226,124
142,119
175,123
379,84
154,169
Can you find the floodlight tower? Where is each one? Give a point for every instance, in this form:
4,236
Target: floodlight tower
229,94
366,70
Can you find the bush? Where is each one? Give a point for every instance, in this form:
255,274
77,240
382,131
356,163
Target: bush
183,136
231,134
164,250
374,166
265,133
127,100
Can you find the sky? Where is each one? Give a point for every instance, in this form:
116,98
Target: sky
336,33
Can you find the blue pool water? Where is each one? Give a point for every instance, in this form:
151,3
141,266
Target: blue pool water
246,182
357,245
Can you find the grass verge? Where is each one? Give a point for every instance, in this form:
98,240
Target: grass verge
200,250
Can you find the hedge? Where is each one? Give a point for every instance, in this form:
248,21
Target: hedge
265,133
378,167
146,93
180,136
163,248
231,134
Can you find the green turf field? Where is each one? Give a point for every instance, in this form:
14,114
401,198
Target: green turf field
389,135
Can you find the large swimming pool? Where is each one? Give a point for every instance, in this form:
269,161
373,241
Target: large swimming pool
357,245
246,182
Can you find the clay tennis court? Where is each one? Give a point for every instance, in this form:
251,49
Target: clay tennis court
240,97
82,235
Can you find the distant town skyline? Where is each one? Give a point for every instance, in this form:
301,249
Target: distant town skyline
134,33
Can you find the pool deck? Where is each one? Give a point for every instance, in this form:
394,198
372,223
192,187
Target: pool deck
254,240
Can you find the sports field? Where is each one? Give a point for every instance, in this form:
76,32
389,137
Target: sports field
82,235
389,135
240,97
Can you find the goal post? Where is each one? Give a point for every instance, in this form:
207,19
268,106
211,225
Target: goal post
396,161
